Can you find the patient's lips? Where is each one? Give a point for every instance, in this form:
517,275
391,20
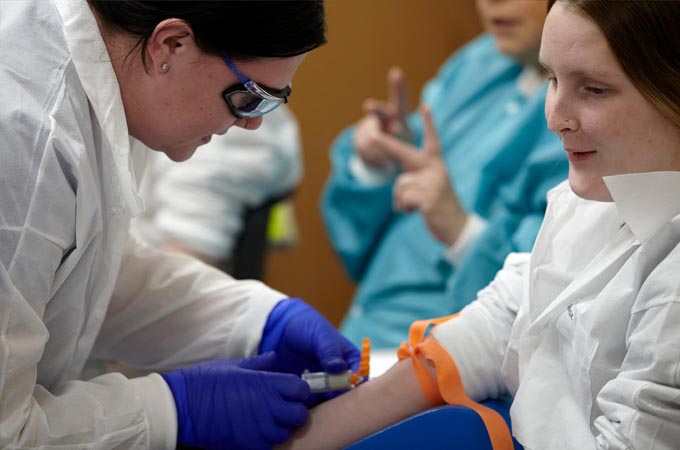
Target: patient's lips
578,155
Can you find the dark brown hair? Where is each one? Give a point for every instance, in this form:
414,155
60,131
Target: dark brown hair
243,29
644,36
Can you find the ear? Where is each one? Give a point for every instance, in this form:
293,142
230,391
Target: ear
170,38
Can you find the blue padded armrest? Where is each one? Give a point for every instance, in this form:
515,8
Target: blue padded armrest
448,427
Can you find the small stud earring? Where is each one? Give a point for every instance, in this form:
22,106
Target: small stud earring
164,67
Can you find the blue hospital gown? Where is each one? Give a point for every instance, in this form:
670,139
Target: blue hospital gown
502,160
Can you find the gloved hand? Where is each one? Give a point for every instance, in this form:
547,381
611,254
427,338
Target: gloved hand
236,404
303,339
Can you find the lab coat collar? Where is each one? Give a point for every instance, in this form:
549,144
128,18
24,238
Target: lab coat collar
98,79
646,201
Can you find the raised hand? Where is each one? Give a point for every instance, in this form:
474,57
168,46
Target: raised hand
424,184
383,117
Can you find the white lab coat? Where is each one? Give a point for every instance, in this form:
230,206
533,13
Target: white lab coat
201,203
585,331
72,283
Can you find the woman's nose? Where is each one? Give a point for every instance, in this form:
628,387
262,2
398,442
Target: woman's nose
252,123
558,115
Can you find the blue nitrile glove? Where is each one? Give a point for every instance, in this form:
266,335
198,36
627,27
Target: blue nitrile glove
234,403
303,339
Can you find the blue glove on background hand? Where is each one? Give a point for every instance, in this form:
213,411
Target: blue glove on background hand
303,339
234,403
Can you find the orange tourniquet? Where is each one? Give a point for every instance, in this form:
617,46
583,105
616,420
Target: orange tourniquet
449,389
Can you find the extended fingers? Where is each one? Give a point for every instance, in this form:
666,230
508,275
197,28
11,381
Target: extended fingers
366,142
373,106
407,155
431,144
406,194
397,94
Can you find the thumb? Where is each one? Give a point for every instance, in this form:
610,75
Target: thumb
329,354
259,362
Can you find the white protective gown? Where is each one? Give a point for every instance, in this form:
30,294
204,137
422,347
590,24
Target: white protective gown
72,282
585,331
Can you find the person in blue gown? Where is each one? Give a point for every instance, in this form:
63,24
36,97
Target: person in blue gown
420,231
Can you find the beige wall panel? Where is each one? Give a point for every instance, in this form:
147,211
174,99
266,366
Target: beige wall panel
365,38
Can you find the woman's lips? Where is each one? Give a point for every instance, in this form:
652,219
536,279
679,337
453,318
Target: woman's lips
579,156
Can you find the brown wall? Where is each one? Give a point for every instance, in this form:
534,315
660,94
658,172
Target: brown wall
365,38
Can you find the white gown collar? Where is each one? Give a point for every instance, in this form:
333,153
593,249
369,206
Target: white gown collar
646,201
99,81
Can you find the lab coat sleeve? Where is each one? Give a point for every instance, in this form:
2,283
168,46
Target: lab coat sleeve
477,339
107,412
641,405
170,310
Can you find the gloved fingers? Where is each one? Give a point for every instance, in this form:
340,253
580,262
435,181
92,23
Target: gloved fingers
259,362
330,356
252,435
333,350
315,399
351,354
295,361
290,414
289,387
276,434
254,444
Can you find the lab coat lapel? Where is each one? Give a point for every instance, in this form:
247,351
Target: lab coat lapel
539,352
585,286
99,81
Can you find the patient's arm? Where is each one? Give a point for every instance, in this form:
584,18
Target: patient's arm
362,411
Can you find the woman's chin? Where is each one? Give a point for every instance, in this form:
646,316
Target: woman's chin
596,191
180,153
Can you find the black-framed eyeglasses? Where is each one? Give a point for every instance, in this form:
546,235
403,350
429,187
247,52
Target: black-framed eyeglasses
248,99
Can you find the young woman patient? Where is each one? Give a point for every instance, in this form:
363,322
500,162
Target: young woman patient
583,332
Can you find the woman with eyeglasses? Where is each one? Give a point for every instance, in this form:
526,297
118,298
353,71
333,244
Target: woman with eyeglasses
87,88
584,331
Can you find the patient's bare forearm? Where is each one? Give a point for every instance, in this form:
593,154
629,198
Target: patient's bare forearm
364,410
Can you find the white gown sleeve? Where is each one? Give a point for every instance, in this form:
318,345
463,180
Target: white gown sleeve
478,338
107,412
169,310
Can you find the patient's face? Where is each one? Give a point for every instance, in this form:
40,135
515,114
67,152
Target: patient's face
606,126
516,25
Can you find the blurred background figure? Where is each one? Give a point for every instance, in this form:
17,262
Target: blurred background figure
478,192
216,206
